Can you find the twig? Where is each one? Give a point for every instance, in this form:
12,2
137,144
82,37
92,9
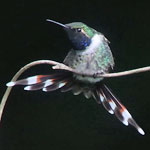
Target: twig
61,66
107,75
125,73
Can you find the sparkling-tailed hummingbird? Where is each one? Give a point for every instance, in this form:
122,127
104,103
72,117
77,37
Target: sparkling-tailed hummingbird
90,54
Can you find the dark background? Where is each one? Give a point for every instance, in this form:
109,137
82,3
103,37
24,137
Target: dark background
40,121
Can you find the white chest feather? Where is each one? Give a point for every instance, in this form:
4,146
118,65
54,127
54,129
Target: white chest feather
95,43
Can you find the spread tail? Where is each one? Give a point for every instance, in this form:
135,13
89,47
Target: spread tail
113,106
46,82
64,81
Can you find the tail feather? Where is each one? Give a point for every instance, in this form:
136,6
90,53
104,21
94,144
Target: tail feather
113,106
45,82
87,93
67,87
31,80
34,87
95,95
55,86
77,89
109,106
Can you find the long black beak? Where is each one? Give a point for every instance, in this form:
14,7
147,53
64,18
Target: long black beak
60,24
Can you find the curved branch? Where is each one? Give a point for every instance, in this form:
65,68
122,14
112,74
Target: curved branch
57,65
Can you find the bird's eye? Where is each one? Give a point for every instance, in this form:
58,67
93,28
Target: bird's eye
79,29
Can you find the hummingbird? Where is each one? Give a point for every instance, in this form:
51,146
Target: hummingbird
90,53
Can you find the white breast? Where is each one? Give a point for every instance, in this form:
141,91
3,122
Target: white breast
95,43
